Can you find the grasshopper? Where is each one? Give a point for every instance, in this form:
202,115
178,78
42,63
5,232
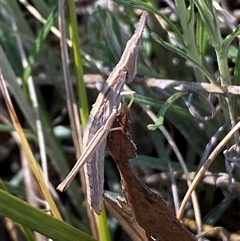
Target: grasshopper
100,121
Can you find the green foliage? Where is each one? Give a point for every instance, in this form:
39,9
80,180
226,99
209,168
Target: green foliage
38,220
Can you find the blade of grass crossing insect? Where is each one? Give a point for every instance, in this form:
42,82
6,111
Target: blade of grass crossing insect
84,112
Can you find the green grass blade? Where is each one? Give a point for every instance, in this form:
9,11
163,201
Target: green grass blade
187,126
158,163
184,55
41,37
26,231
201,36
82,96
228,40
165,106
22,24
145,6
23,213
53,145
236,81
42,7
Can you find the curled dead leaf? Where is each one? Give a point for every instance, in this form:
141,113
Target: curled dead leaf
148,208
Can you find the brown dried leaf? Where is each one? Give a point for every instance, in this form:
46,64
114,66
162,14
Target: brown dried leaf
121,211
149,209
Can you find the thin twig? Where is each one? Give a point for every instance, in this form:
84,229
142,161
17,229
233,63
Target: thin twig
193,87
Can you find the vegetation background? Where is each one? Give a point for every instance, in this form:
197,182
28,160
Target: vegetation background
177,126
